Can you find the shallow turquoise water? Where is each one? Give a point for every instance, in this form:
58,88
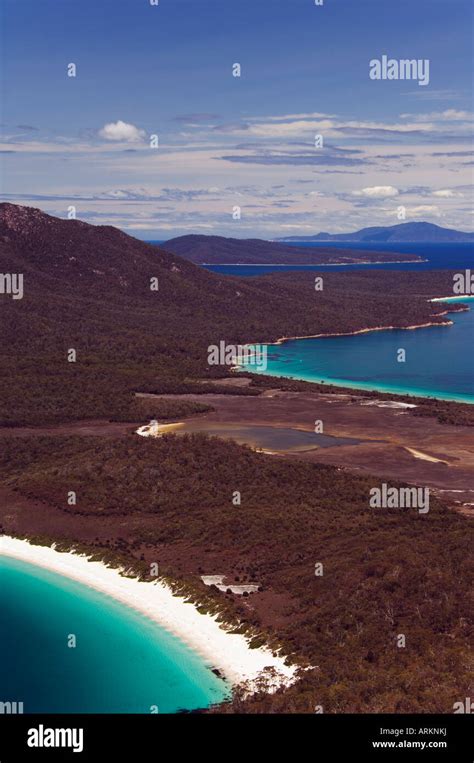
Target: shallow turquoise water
439,359
122,663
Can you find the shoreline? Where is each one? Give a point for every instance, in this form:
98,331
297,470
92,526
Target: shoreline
348,385
451,298
228,652
284,339
308,265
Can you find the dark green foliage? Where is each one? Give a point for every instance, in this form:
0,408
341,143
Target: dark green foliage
88,288
386,572
162,409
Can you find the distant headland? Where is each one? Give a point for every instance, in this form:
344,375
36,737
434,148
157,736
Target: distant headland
404,232
220,250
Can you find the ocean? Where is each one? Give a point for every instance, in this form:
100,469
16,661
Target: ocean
122,662
439,361
437,256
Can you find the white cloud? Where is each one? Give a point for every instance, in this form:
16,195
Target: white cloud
199,188
272,127
291,117
283,129
449,115
447,193
122,131
377,191
422,210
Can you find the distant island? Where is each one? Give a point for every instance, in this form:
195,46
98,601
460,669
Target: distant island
219,250
402,233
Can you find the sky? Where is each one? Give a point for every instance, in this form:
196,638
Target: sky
238,155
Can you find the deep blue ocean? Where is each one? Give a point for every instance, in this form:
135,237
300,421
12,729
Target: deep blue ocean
437,256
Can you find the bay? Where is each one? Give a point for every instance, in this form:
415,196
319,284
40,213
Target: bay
122,662
439,360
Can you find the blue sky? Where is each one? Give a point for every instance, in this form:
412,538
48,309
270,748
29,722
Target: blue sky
248,141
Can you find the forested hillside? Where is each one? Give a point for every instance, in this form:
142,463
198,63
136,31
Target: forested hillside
385,572
140,318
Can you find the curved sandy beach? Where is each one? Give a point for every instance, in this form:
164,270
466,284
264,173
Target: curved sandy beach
229,653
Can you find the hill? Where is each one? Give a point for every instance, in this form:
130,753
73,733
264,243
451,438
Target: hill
404,232
385,572
87,288
218,250
141,500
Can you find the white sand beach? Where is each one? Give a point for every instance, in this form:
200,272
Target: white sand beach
229,653
451,296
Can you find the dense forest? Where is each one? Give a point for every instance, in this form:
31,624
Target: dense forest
88,289
170,500
386,572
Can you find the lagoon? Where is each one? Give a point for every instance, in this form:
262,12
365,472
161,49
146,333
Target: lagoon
260,437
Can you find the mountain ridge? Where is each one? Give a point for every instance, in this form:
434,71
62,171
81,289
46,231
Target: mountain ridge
223,250
413,232
88,288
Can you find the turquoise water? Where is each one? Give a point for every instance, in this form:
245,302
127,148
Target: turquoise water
122,662
439,359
